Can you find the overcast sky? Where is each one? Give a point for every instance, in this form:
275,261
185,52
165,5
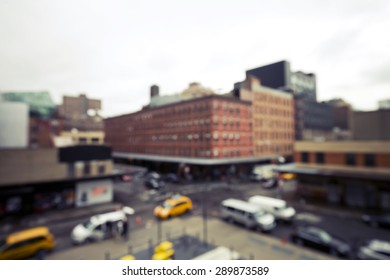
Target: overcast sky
115,50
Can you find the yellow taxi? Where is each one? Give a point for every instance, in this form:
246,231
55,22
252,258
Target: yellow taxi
287,176
164,251
27,243
174,206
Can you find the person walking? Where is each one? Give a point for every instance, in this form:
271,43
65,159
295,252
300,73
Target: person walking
125,230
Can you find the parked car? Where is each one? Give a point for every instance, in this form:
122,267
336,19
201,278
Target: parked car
164,251
375,250
174,206
127,178
321,240
377,220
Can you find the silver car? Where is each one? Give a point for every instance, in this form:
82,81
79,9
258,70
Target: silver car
375,250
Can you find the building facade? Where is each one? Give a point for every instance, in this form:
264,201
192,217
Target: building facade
81,113
14,125
348,173
272,119
41,119
384,104
278,75
313,120
208,127
371,126
41,179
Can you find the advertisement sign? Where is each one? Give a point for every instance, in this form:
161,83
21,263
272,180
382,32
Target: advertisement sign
93,192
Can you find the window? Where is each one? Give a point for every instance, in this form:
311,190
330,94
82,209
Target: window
102,168
369,160
87,168
350,159
305,157
319,157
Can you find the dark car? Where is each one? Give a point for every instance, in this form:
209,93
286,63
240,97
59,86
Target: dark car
171,178
321,240
377,220
154,181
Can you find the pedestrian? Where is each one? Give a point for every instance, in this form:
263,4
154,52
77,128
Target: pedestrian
125,230
119,228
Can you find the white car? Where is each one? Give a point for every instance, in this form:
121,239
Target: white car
375,250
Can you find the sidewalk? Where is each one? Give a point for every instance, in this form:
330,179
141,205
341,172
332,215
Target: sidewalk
249,244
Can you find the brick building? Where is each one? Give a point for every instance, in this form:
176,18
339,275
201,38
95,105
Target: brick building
348,173
200,128
272,118
209,127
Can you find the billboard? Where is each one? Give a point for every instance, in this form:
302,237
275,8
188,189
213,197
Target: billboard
93,192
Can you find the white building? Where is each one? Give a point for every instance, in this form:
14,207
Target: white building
384,104
14,125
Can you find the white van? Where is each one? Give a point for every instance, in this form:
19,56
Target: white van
101,226
277,207
247,214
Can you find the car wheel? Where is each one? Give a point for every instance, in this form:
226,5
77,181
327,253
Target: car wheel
259,229
333,252
374,223
40,255
88,240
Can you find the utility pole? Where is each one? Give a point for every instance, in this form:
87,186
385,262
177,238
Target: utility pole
159,230
204,204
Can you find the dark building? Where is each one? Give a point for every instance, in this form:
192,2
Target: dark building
372,125
278,75
313,120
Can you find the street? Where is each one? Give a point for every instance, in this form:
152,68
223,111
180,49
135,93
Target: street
344,225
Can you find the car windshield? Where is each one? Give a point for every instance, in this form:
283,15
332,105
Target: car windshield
166,205
282,208
89,225
2,244
260,213
325,236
